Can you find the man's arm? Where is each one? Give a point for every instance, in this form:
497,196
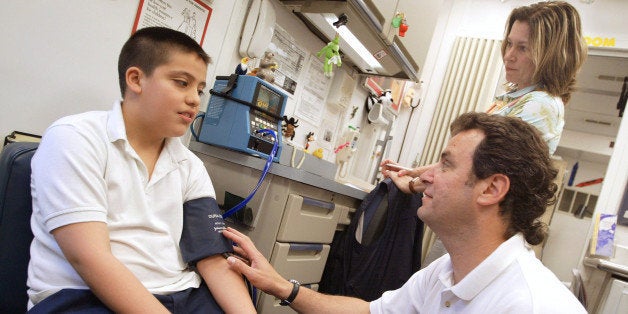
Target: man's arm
262,275
226,285
86,246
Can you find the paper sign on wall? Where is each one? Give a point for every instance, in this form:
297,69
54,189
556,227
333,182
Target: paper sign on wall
187,16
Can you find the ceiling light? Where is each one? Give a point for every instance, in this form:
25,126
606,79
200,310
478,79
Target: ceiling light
353,41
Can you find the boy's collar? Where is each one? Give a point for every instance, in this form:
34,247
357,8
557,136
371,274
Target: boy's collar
115,124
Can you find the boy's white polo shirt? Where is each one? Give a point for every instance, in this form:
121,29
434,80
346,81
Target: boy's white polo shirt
97,176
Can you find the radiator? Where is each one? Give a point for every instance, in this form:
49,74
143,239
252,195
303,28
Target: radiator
472,75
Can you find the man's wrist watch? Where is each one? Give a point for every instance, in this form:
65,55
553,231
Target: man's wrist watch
293,294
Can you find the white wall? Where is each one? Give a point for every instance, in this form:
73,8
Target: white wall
60,59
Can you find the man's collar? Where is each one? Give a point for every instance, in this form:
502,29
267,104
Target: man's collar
481,276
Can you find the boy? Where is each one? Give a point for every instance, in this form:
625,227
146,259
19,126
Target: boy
124,215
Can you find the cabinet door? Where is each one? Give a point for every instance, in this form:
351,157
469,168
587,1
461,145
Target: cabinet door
421,17
308,220
617,299
383,11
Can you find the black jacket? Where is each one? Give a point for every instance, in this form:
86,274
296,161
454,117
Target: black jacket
390,251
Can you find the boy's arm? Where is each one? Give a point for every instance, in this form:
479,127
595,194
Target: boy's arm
226,285
86,246
262,275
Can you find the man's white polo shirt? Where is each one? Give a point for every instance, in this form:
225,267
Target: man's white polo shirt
510,280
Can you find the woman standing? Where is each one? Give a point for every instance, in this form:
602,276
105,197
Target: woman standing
543,50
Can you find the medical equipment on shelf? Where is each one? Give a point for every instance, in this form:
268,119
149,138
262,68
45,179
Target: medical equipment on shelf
241,106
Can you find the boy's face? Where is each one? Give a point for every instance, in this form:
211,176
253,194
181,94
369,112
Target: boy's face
171,95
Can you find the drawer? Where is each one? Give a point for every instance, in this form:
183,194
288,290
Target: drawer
268,304
308,220
300,261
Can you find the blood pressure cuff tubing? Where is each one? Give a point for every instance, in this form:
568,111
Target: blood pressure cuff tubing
202,227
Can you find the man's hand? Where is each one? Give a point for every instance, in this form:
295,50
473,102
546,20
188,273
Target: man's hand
261,274
402,177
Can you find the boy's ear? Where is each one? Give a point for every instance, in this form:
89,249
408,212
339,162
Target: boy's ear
494,189
133,79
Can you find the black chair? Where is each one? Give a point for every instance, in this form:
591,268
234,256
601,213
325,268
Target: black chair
15,228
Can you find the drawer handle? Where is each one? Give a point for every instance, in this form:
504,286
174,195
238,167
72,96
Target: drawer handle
317,203
306,247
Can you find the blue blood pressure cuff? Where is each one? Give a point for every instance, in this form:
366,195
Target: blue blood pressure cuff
202,227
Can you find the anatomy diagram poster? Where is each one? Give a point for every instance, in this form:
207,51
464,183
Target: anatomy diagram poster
187,16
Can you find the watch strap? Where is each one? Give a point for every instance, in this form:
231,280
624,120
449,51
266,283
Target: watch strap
293,294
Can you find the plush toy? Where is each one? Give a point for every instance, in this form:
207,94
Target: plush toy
331,52
309,138
396,21
288,129
242,67
403,28
268,60
267,67
375,106
318,153
267,74
385,98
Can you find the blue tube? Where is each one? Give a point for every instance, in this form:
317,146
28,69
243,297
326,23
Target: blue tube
269,162
199,115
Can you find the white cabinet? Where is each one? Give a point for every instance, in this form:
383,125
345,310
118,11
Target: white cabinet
291,223
421,17
616,300
383,11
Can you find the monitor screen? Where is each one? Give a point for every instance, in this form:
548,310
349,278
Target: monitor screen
268,99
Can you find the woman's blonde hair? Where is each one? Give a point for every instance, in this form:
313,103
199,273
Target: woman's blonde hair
557,47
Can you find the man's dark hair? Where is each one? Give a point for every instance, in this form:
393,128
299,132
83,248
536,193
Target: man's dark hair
516,149
151,47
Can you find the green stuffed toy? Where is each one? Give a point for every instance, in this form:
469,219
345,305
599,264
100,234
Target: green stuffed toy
332,56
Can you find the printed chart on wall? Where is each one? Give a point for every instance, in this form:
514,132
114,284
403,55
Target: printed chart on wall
290,59
311,103
187,16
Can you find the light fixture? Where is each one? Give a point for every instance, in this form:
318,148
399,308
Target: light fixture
353,41
350,44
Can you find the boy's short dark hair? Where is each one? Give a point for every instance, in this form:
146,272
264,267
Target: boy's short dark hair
150,47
